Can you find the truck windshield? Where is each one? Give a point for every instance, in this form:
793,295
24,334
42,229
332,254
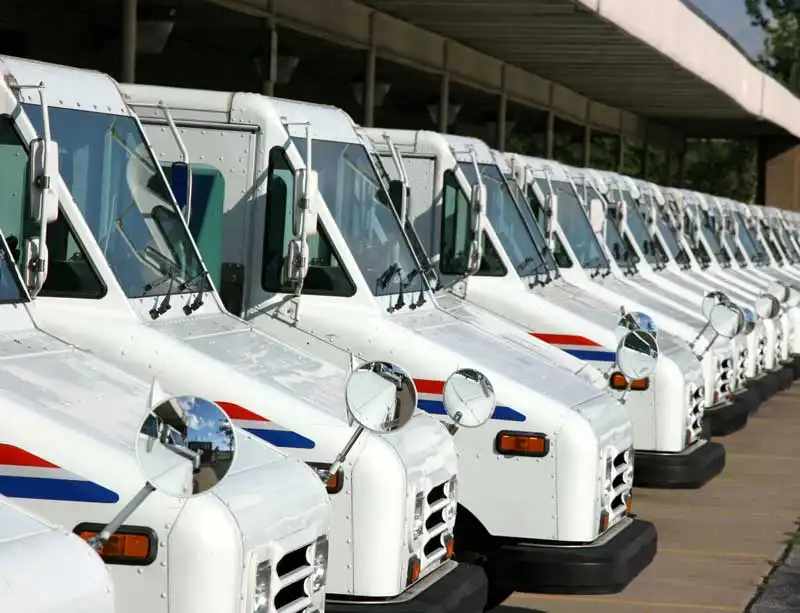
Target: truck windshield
638,228
533,226
710,235
124,198
575,225
506,219
786,241
360,205
668,237
750,240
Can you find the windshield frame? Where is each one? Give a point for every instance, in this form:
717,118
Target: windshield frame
632,213
524,264
572,195
180,278
420,281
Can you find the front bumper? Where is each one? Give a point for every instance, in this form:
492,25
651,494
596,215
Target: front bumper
451,588
730,417
688,469
605,566
767,385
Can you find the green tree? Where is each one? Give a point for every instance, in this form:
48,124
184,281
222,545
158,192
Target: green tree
780,21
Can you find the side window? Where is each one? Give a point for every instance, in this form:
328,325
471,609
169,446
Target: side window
326,276
69,272
560,254
491,264
456,231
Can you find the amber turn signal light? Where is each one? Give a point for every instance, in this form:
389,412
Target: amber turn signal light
130,545
531,444
618,381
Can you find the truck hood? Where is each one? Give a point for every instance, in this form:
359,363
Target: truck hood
518,363
577,301
509,332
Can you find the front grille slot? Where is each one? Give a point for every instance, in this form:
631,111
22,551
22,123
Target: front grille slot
694,416
435,526
291,594
620,486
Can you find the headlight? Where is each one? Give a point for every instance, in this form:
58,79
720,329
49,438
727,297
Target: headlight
261,592
320,564
419,501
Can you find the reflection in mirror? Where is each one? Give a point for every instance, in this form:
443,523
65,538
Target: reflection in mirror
637,354
779,290
469,398
726,319
767,306
749,320
635,320
380,396
185,446
710,300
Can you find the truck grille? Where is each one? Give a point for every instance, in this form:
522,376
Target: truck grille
694,416
618,482
741,368
291,572
761,355
439,513
725,378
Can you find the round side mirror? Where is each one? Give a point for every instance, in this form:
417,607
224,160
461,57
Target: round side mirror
185,446
637,354
767,306
779,290
710,300
469,398
380,396
749,320
636,320
726,319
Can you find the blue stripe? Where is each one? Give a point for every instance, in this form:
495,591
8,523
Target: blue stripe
282,438
55,489
592,356
436,407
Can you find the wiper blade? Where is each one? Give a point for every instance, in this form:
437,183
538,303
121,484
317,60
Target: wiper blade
537,281
523,266
386,277
424,269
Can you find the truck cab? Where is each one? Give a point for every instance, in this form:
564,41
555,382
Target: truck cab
364,291
126,282
712,266
33,552
638,263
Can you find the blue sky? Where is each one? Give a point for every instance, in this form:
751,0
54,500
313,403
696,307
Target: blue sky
730,15
203,419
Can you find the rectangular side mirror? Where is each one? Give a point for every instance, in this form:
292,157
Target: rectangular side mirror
597,215
43,177
179,181
305,203
477,198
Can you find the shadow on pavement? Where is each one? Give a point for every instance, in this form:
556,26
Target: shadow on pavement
511,609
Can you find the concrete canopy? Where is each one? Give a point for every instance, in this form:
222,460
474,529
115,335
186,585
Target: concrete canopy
655,58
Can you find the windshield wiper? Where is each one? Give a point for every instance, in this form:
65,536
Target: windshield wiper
597,264
424,270
385,278
160,308
537,281
195,304
523,265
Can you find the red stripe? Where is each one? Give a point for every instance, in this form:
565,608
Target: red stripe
235,411
14,456
565,339
429,386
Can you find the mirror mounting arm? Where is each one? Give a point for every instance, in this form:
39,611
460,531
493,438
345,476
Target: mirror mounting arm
97,541
342,455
